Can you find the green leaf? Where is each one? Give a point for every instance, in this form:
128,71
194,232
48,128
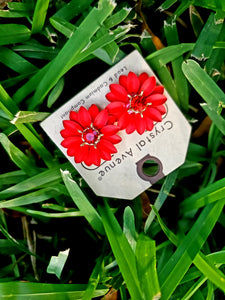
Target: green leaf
203,84
72,9
15,61
17,10
39,16
35,197
7,248
94,279
166,4
122,251
180,81
33,138
31,49
211,193
42,215
45,291
201,261
29,117
181,8
146,267
82,202
129,227
63,26
72,49
57,263
13,33
196,20
158,60
212,4
7,104
210,271
196,152
12,177
180,261
56,92
31,85
16,243
189,168
195,287
42,179
118,17
217,119
17,156
14,80
164,56
215,62
163,194
207,38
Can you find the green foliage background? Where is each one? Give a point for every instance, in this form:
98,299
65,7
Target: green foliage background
166,244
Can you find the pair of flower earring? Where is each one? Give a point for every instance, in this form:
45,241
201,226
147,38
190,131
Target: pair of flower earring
136,102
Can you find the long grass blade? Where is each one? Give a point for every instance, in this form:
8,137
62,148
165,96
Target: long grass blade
86,208
122,251
13,33
45,291
16,62
17,156
40,13
73,47
178,264
146,267
211,193
163,194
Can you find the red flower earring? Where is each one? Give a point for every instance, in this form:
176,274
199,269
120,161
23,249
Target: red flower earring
136,102
89,136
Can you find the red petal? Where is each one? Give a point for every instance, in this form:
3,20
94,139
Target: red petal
73,150
131,126
133,83
74,116
149,124
115,107
161,109
110,130
112,119
72,126
104,154
124,120
66,133
115,139
84,117
82,154
93,157
123,81
159,89
154,114
101,119
142,77
106,145
68,142
93,111
111,97
156,99
148,86
140,124
119,91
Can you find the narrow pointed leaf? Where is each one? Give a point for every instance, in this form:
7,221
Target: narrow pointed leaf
82,202
122,251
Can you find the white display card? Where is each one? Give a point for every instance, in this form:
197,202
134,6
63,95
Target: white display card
123,176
